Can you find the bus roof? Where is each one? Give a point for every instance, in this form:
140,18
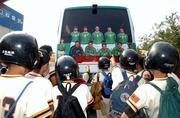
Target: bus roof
88,7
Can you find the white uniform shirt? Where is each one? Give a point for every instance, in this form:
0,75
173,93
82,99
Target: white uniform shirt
46,86
117,76
146,96
82,93
32,103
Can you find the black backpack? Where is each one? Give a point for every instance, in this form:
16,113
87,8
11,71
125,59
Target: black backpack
68,105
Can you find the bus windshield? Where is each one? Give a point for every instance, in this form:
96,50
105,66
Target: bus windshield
102,27
114,18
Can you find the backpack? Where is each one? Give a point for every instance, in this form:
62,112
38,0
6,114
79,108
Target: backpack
122,92
169,100
107,85
68,105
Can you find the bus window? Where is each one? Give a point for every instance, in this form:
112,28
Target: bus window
107,25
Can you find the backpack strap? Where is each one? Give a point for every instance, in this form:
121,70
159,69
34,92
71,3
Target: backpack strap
98,77
71,91
14,104
124,74
107,76
137,78
63,90
66,92
155,86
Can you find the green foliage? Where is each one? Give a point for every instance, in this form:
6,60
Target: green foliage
168,30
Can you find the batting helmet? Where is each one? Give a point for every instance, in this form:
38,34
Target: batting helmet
129,58
103,63
66,68
162,56
19,48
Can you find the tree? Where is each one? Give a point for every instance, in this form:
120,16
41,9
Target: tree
168,30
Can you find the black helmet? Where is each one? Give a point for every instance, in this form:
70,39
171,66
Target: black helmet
128,59
19,48
103,63
162,56
66,68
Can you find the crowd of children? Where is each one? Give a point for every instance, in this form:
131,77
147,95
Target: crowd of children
133,88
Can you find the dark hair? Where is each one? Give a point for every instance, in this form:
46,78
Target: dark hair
44,58
77,41
90,41
48,48
119,42
104,43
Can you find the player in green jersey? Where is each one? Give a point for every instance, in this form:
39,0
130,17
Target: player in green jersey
75,35
117,51
85,37
61,48
123,37
90,50
104,51
97,38
110,38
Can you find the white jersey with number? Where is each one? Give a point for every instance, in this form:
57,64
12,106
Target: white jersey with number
82,93
146,96
31,104
46,86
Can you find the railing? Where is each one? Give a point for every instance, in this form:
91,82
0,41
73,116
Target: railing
81,59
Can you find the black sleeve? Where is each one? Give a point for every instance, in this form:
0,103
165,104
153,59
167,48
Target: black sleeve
130,112
72,51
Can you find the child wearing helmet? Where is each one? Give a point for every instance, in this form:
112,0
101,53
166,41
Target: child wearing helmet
21,97
161,59
67,74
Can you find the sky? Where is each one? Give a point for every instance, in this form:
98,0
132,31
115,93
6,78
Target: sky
41,17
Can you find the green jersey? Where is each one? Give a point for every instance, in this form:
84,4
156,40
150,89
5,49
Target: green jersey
105,52
110,37
123,38
90,51
75,36
61,47
85,37
117,52
97,37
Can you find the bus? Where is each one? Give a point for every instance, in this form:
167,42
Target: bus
91,18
